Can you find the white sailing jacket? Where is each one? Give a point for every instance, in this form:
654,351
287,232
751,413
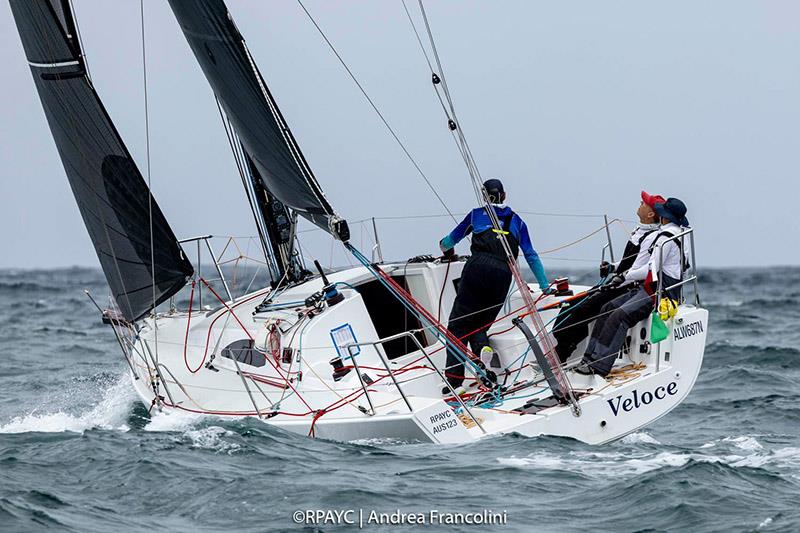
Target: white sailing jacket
635,241
668,256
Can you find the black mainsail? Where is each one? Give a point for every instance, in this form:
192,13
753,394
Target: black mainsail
111,193
280,226
240,89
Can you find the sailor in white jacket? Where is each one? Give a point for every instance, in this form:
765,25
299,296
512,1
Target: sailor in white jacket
657,255
573,321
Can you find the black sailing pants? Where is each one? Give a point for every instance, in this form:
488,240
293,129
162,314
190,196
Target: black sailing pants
481,292
572,324
611,328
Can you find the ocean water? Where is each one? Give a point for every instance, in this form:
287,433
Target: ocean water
79,453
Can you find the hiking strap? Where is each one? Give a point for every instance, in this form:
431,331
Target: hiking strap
639,244
685,260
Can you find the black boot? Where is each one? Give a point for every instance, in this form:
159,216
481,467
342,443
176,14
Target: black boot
584,368
454,383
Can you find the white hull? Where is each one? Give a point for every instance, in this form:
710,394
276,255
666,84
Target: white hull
662,375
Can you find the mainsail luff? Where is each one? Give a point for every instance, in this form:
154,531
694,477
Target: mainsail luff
280,226
112,196
239,87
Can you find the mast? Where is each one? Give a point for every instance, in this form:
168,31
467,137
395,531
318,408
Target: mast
280,226
112,196
282,182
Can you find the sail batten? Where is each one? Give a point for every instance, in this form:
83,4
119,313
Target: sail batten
240,89
112,196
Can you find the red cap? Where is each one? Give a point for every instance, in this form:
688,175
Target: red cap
652,200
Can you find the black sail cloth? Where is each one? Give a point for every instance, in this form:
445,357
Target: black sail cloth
238,85
112,196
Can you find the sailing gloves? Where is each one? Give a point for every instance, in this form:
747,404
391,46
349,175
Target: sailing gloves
606,268
614,282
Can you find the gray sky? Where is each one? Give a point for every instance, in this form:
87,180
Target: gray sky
575,106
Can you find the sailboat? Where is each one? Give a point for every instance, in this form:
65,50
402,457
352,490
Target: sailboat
358,353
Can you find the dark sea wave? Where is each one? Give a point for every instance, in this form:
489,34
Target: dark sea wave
79,453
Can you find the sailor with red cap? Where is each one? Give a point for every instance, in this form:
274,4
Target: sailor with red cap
572,324
660,256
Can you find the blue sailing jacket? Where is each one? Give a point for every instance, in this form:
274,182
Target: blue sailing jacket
485,241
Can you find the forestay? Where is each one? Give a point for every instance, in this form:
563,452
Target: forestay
112,196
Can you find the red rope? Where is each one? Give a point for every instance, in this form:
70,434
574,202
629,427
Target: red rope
424,312
277,369
186,337
210,326
230,413
357,393
514,312
228,308
266,381
274,342
342,402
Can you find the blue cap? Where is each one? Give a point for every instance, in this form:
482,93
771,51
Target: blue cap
673,210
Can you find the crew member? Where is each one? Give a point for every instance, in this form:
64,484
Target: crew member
667,261
486,277
572,324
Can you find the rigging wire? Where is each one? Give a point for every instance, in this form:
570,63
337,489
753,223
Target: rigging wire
241,166
453,122
80,40
149,180
485,200
406,367
425,54
377,111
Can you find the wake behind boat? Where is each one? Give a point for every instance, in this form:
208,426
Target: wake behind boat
355,354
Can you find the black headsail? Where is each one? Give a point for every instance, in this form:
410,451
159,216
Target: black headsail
112,196
239,87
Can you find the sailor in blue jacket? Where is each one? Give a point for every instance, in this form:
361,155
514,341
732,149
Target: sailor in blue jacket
486,277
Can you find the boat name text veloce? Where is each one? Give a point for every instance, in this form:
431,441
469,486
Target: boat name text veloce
635,401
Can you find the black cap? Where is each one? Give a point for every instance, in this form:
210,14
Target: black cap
493,186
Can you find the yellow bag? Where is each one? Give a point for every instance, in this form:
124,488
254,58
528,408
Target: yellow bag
667,309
